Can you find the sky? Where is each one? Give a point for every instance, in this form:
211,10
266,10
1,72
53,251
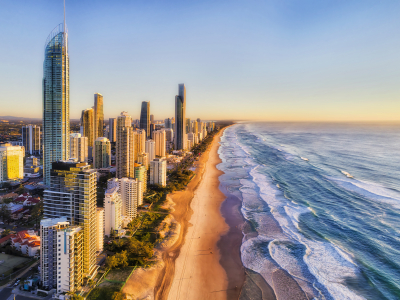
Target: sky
275,60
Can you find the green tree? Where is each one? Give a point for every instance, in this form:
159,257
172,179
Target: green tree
111,262
117,296
122,259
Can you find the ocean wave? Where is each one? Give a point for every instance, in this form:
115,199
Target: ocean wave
369,190
325,261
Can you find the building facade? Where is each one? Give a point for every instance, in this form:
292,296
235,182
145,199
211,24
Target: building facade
11,162
145,118
31,139
125,151
100,229
98,117
112,130
158,171
55,100
101,153
141,175
160,142
61,257
87,125
73,194
78,147
112,211
180,118
150,149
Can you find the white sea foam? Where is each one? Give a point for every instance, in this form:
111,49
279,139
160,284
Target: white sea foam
329,265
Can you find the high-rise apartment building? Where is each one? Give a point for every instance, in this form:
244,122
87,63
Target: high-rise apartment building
125,151
141,147
31,139
131,191
100,229
158,171
168,123
188,125
87,125
11,162
180,118
150,149
78,147
72,194
101,153
55,99
169,135
145,117
143,159
141,175
160,139
112,211
98,116
152,126
191,138
61,255
112,130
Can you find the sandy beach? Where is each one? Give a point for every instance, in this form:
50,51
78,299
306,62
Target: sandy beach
192,266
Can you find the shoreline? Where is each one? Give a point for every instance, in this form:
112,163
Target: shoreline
199,258
196,267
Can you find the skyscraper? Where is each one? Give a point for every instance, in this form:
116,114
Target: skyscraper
141,175
72,194
150,149
31,139
61,255
145,118
168,123
158,171
112,130
55,99
131,191
125,147
180,118
87,125
141,141
78,147
101,153
112,211
159,139
151,118
98,116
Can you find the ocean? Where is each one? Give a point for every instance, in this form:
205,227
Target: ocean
321,202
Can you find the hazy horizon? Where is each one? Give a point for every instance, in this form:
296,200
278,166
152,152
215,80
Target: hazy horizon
241,60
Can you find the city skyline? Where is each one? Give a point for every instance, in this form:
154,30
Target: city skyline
311,61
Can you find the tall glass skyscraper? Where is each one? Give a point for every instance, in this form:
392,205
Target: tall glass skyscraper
180,118
55,99
145,118
98,117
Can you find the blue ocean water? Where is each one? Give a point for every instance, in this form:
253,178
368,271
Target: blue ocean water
323,202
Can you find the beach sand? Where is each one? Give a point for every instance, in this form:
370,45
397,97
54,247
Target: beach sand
192,266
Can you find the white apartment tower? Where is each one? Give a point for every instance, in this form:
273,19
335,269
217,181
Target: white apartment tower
158,171
112,211
78,147
150,149
100,229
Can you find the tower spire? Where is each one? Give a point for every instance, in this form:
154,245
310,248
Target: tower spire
64,18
